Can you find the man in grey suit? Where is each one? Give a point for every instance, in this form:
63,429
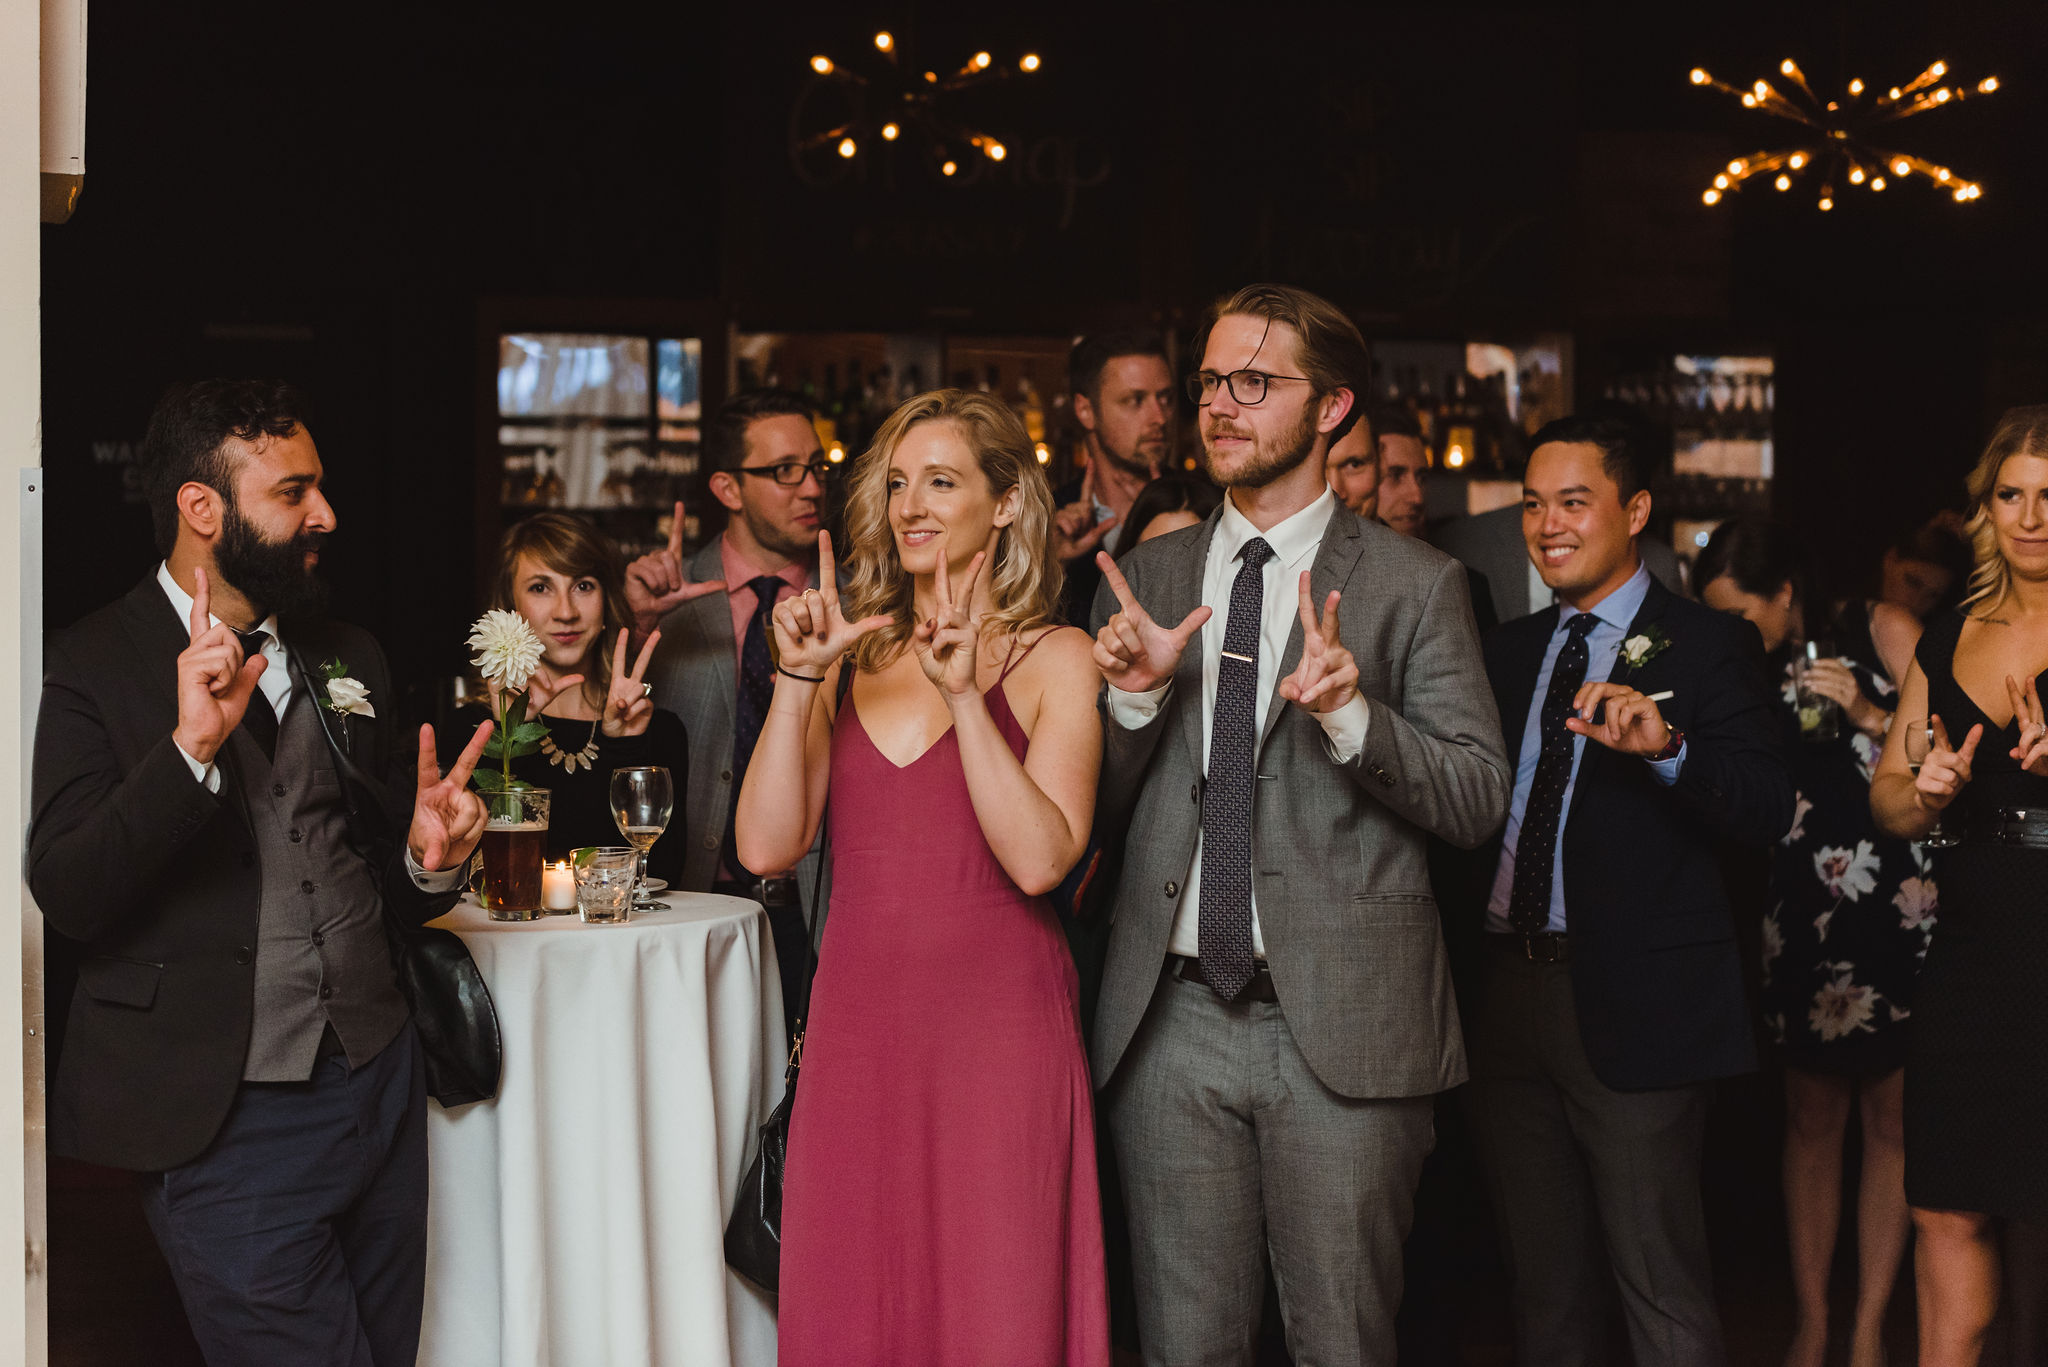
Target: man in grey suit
712,667
1276,1012
1492,544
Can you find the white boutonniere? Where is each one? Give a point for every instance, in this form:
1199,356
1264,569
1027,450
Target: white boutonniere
1643,647
345,696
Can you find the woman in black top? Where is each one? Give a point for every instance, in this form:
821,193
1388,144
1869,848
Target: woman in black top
565,578
1976,1112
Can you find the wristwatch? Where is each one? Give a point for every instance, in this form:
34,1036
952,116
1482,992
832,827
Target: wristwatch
1672,745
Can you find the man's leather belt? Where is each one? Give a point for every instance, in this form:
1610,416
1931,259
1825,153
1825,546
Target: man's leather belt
1543,947
1259,989
2027,826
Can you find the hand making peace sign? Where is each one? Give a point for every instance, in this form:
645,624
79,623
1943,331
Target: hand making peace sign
1327,676
656,585
630,705
214,681
945,643
2032,751
1075,532
1134,652
447,818
810,631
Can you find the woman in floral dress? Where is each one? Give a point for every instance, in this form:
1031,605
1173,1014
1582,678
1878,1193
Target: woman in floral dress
1852,911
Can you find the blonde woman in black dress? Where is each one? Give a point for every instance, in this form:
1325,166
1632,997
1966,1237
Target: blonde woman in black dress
1977,1059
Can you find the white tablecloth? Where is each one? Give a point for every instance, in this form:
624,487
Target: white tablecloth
576,1219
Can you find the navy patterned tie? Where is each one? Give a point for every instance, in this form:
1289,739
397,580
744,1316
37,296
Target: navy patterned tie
1224,917
757,689
259,723
1536,851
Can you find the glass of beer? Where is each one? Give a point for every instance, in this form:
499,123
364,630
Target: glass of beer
512,846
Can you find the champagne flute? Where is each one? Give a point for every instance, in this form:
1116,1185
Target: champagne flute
1920,743
643,798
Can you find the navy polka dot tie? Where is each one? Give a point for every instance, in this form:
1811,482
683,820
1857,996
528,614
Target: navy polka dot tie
1536,851
1224,916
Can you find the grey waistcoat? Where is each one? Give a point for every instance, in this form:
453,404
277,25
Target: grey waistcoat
321,955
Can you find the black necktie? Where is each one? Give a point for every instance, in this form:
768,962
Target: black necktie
259,722
1536,851
757,689
1224,916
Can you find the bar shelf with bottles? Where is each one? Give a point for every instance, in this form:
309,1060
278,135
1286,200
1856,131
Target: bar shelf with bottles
1475,405
1718,411
855,380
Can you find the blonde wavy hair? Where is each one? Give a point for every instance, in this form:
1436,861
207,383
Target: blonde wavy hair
1023,582
2021,432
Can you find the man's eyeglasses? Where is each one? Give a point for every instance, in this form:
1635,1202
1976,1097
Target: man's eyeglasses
1246,386
789,473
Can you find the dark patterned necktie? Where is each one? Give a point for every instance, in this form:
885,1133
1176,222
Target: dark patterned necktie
757,689
1536,851
259,722
1224,917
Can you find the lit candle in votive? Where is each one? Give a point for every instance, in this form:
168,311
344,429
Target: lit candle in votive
558,886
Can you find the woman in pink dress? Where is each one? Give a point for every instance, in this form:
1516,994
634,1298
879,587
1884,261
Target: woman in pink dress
939,1204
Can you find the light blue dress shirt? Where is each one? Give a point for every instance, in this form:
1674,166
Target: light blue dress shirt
1603,647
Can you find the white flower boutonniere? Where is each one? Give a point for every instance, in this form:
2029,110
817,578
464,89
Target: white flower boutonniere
1643,647
345,695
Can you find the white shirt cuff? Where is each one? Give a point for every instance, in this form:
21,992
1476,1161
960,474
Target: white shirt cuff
207,774
443,880
1344,729
1135,711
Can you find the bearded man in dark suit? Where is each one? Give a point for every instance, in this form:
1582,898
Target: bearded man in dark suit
211,833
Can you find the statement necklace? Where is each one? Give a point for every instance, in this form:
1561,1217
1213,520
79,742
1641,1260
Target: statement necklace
586,758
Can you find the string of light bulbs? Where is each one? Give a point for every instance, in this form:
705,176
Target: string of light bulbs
1841,134
908,101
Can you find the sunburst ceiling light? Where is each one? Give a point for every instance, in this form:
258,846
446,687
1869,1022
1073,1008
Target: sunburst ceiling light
889,102
1840,133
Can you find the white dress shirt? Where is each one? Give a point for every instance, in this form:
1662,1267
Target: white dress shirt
1294,542
275,684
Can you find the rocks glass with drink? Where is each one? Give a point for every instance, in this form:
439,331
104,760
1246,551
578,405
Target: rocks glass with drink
604,883
511,849
643,798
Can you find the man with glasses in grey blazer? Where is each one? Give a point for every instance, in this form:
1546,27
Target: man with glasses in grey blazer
1295,703
712,667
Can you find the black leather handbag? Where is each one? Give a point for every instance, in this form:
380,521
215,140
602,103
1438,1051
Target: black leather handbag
451,1009
753,1236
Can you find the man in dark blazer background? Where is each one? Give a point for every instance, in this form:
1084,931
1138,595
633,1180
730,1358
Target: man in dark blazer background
211,831
712,667
1609,994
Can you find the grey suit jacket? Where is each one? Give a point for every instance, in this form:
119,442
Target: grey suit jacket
1492,544
695,676
1338,851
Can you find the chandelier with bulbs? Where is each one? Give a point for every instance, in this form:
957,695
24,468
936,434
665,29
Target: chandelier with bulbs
890,100
1839,142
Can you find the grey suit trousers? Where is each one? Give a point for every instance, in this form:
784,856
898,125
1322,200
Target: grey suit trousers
1569,1160
1229,1148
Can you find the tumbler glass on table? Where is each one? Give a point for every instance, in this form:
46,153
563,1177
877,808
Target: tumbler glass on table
513,841
1920,743
604,883
643,798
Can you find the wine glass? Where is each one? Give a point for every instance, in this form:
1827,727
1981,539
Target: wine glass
643,798
1921,742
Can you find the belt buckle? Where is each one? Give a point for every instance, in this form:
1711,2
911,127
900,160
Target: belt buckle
1543,949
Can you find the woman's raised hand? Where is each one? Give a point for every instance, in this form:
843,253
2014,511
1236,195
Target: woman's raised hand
810,631
2032,751
945,643
1946,769
630,704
